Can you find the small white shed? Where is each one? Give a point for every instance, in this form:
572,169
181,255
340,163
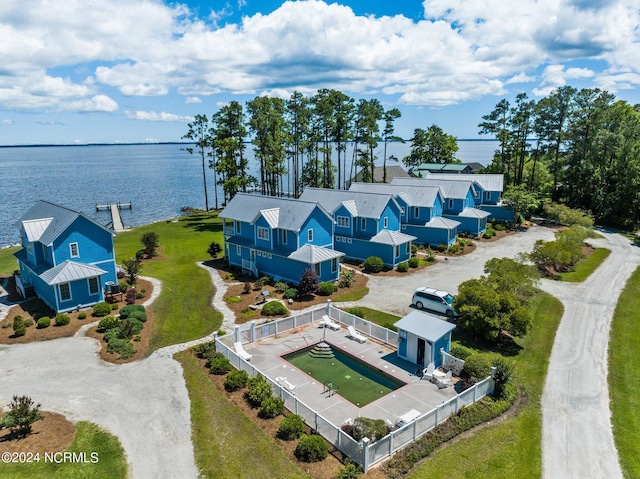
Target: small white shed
420,337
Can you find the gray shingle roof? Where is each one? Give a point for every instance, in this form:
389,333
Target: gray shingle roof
452,188
57,219
488,182
284,213
418,195
70,271
393,238
425,325
312,254
367,205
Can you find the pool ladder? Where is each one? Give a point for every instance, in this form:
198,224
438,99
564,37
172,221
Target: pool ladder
330,388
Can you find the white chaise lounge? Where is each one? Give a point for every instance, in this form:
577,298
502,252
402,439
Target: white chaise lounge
327,322
241,352
353,334
285,383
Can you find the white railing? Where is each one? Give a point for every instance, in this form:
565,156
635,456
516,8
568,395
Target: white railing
364,453
19,285
251,266
451,362
228,230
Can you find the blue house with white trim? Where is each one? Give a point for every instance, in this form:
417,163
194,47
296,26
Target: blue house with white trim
421,211
279,237
421,336
66,257
367,224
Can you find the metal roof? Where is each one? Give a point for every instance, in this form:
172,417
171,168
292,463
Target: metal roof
414,195
438,222
70,271
428,167
473,213
291,214
452,188
312,254
35,228
488,182
392,238
367,204
60,219
425,325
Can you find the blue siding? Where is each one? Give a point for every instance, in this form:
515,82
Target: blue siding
360,250
94,243
431,236
343,230
263,243
445,343
392,213
474,226
499,212
322,227
438,207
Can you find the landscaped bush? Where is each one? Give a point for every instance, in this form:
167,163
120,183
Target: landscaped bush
274,308
131,296
281,287
414,249
374,429
22,413
247,287
460,352
291,427
107,323
499,227
441,248
503,376
373,264
462,242
347,277
308,284
28,322
271,407
130,327
489,233
454,248
123,347
139,295
62,319
234,299
403,267
326,288
83,315
261,282
44,322
19,329
204,350
139,315
111,334
413,262
124,286
219,365
214,249
258,390
114,306
130,308
477,366
101,309
349,471
311,449
290,293
236,379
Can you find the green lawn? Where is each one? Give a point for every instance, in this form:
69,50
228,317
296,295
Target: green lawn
583,269
8,263
226,443
355,295
624,371
90,438
183,310
386,320
512,448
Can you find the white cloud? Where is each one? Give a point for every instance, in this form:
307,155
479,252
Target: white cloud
95,103
520,78
192,99
6,122
556,76
153,116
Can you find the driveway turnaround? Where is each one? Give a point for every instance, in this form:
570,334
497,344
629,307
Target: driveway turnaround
576,419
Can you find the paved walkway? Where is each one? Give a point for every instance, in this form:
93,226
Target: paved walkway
577,436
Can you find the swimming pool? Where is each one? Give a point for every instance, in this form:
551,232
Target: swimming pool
356,381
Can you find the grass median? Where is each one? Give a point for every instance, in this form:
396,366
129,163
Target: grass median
584,268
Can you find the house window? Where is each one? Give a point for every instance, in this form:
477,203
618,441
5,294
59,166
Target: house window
73,247
450,203
310,235
238,250
397,251
93,285
487,195
237,226
269,255
349,240
386,222
334,265
284,236
416,212
363,223
65,292
316,268
343,221
263,233
408,248
401,211
338,239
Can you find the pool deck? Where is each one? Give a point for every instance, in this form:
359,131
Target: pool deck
417,394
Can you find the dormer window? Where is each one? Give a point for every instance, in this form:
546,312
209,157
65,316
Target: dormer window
263,233
363,224
310,235
386,222
73,248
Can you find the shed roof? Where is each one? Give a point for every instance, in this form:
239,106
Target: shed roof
473,213
425,325
367,204
442,223
413,195
312,254
283,213
392,238
68,271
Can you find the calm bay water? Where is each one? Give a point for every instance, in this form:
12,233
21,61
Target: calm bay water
157,179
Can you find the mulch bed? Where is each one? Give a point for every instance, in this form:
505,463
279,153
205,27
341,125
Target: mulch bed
53,433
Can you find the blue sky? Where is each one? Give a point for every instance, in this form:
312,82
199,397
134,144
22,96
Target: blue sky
138,70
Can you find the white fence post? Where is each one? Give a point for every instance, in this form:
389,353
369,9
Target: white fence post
253,331
236,333
365,454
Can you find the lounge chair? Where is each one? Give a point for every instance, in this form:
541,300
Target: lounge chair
241,352
327,322
282,381
427,373
353,334
444,382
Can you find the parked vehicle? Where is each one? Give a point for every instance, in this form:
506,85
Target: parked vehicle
435,300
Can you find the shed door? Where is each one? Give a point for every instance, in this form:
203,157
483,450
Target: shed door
420,356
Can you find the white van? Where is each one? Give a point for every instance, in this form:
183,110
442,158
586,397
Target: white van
435,300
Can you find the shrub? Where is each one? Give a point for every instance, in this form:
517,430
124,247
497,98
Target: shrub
130,327
281,287
403,267
460,352
355,311
311,449
347,277
477,366
414,249
219,365
23,412
139,295
111,334
124,286
503,376
274,308
308,284
131,296
413,262
489,233
499,227
374,429
101,309
290,293
373,264
43,322
137,338
150,241
326,288
28,322
130,308
83,315
271,407
107,323
441,248
236,379
462,242
123,347
258,390
62,319
430,257
261,282
19,329
247,287
139,315
349,471
203,350
114,307
213,250
454,248
234,299
291,427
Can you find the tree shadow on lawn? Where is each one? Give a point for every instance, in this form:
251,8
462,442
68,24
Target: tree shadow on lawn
202,226
505,345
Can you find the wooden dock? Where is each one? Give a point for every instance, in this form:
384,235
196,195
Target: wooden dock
116,219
